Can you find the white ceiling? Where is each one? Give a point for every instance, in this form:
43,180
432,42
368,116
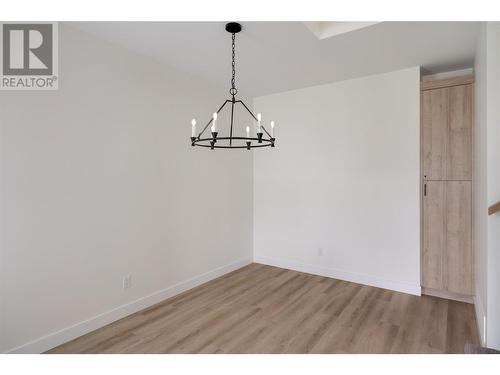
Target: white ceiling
278,56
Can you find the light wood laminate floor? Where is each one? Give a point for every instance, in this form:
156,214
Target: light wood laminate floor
263,309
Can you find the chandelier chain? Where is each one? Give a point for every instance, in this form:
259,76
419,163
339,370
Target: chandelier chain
233,90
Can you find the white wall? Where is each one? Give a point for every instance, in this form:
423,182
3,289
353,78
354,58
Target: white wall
98,181
487,183
343,181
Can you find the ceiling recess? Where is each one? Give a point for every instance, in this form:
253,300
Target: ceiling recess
327,29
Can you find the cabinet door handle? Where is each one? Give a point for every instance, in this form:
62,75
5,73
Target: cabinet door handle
425,190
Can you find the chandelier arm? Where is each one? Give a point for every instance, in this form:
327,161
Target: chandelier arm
265,130
244,105
206,126
232,117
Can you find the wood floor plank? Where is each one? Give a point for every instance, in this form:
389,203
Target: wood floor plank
264,309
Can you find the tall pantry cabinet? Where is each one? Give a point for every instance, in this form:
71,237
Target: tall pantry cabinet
446,174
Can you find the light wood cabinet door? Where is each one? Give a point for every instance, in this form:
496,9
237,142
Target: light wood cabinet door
447,252
433,234
459,134
434,129
458,272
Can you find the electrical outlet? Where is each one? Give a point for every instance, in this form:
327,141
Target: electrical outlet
320,251
127,282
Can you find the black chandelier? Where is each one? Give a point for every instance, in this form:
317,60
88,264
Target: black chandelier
215,141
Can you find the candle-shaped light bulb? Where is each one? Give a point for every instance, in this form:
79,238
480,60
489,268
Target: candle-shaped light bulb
214,123
193,128
272,129
259,117
248,131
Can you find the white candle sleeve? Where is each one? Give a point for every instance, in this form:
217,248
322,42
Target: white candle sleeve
193,128
214,123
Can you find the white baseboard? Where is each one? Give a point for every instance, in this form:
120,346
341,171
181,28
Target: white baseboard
342,275
54,339
480,318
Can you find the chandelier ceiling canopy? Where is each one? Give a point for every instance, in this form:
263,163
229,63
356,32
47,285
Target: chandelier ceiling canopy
213,140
